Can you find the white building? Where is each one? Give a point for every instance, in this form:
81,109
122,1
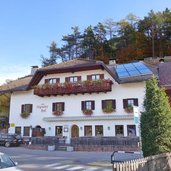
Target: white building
78,98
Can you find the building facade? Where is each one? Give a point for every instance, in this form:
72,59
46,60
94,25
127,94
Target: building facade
80,98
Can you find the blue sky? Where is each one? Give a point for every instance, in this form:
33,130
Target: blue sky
27,27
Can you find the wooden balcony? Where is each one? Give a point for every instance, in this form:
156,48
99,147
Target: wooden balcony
73,88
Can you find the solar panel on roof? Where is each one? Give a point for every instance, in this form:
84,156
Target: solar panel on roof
134,72
132,69
128,65
123,74
145,71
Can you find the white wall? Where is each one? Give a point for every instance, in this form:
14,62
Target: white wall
73,105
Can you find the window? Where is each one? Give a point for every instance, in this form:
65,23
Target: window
58,106
131,130
108,105
119,130
87,130
98,130
52,80
27,108
18,130
87,105
58,131
26,131
128,102
73,79
95,77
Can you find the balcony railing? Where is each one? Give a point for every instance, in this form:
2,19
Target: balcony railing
73,88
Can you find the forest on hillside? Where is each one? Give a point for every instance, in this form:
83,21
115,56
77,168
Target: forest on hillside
126,40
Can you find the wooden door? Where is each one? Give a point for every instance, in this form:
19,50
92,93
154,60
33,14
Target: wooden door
74,131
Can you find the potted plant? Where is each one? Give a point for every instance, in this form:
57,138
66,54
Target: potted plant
25,115
58,113
87,111
129,109
51,146
109,108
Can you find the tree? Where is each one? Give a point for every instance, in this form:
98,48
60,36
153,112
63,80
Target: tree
4,103
155,120
125,40
53,56
110,26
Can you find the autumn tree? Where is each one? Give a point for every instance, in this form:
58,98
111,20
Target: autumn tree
126,40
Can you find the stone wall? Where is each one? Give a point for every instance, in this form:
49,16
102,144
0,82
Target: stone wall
161,162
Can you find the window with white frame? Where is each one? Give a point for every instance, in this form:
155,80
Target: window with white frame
58,106
130,102
119,130
18,130
26,131
88,105
73,79
52,81
131,130
96,77
99,130
87,130
27,108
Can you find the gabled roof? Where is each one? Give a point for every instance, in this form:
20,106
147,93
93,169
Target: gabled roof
16,85
164,71
75,65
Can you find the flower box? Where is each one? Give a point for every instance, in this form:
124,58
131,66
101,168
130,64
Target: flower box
108,110
129,109
25,115
57,113
74,88
88,112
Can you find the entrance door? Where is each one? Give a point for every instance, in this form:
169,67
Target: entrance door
74,131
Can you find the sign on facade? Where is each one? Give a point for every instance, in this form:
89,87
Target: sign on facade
42,107
12,124
136,114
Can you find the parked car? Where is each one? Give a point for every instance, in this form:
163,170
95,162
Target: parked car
7,164
9,140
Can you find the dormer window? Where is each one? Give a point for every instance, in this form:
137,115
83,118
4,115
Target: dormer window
52,81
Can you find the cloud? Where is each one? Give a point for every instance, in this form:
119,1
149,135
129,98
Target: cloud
12,72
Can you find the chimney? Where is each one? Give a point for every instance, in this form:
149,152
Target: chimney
112,62
34,69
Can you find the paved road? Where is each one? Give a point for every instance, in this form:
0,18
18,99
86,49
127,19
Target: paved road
36,160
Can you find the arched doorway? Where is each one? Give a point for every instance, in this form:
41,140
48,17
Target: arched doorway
74,131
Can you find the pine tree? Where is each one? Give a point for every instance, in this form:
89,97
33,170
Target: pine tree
155,120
